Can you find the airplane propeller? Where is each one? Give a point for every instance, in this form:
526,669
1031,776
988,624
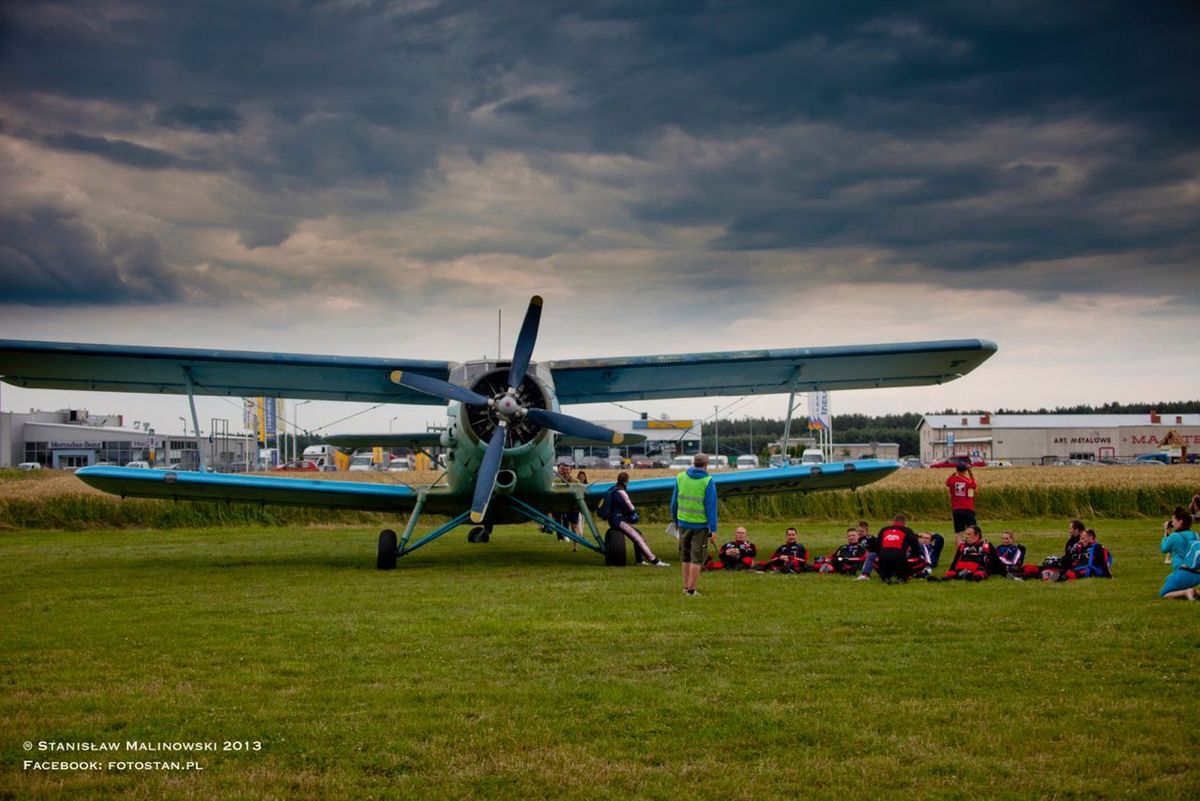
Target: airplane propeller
507,407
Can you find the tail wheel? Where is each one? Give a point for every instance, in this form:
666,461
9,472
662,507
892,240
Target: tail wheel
386,557
614,548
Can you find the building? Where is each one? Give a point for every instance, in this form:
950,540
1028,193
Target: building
662,436
72,438
1044,438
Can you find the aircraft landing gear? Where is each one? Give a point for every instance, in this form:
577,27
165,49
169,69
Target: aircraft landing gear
614,548
479,534
386,557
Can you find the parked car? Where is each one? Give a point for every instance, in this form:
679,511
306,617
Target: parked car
300,466
1158,457
1077,463
999,463
593,462
615,463
972,461
29,466
641,462
139,465
910,462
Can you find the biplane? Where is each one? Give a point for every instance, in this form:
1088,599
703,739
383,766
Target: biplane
504,421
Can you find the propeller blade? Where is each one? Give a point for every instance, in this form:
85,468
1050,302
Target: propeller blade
525,342
489,468
574,426
438,388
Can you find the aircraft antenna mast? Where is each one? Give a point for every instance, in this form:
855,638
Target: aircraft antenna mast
499,320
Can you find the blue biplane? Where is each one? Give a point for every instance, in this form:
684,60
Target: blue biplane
504,420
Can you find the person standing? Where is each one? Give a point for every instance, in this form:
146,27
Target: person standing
694,511
962,486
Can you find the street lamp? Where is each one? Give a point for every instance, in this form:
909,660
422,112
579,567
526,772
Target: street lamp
394,419
184,421
717,431
296,427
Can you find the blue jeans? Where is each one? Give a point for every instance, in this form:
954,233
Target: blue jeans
869,563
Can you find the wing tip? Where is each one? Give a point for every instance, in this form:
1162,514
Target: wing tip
396,375
536,300
617,438
477,517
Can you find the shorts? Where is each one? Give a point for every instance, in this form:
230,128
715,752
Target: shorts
962,519
693,545
1179,580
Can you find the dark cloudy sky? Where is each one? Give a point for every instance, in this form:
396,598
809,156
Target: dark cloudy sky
379,177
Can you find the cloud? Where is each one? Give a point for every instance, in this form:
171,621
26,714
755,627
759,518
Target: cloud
50,257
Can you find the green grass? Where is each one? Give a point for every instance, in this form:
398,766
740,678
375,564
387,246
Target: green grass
520,670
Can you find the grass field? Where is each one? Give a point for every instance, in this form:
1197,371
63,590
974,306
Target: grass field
520,670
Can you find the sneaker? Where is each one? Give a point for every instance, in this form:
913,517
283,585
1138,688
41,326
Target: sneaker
863,578
660,563
690,593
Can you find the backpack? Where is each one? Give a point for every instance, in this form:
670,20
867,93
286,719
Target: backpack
604,510
1191,559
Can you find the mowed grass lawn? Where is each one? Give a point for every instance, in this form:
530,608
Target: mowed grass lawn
517,669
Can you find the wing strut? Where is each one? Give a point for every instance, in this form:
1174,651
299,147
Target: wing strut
787,426
191,393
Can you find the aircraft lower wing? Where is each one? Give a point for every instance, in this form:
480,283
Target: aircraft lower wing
231,488
693,375
128,368
767,481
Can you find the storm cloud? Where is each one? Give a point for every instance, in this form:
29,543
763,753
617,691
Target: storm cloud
1017,146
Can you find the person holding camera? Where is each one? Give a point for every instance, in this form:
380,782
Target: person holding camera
622,515
1179,542
962,488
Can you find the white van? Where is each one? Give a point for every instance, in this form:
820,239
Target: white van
139,465
812,456
681,462
747,462
362,462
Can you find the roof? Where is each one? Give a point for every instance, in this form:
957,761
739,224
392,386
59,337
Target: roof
1167,420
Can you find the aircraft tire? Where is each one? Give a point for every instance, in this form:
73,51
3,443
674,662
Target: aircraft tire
614,548
485,535
386,558
474,534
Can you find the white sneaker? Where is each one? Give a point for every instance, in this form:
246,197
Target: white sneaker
863,578
660,563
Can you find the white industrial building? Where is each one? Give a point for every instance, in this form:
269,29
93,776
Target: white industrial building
1044,438
72,438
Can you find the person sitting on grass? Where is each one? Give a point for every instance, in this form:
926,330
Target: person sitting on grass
1012,554
897,543
848,559
975,558
736,555
1182,545
1093,559
791,557
931,546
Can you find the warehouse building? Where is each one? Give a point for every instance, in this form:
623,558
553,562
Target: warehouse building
1046,438
71,438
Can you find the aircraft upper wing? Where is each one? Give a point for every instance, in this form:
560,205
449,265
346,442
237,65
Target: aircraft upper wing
183,485
692,375
129,368
421,439
766,481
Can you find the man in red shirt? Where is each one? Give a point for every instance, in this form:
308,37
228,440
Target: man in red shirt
962,496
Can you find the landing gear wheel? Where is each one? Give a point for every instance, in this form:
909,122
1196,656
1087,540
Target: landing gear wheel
386,557
485,535
614,548
473,534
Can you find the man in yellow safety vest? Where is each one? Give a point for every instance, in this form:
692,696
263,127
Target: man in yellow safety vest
694,510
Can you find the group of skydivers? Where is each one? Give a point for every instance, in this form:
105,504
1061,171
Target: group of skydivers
897,554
